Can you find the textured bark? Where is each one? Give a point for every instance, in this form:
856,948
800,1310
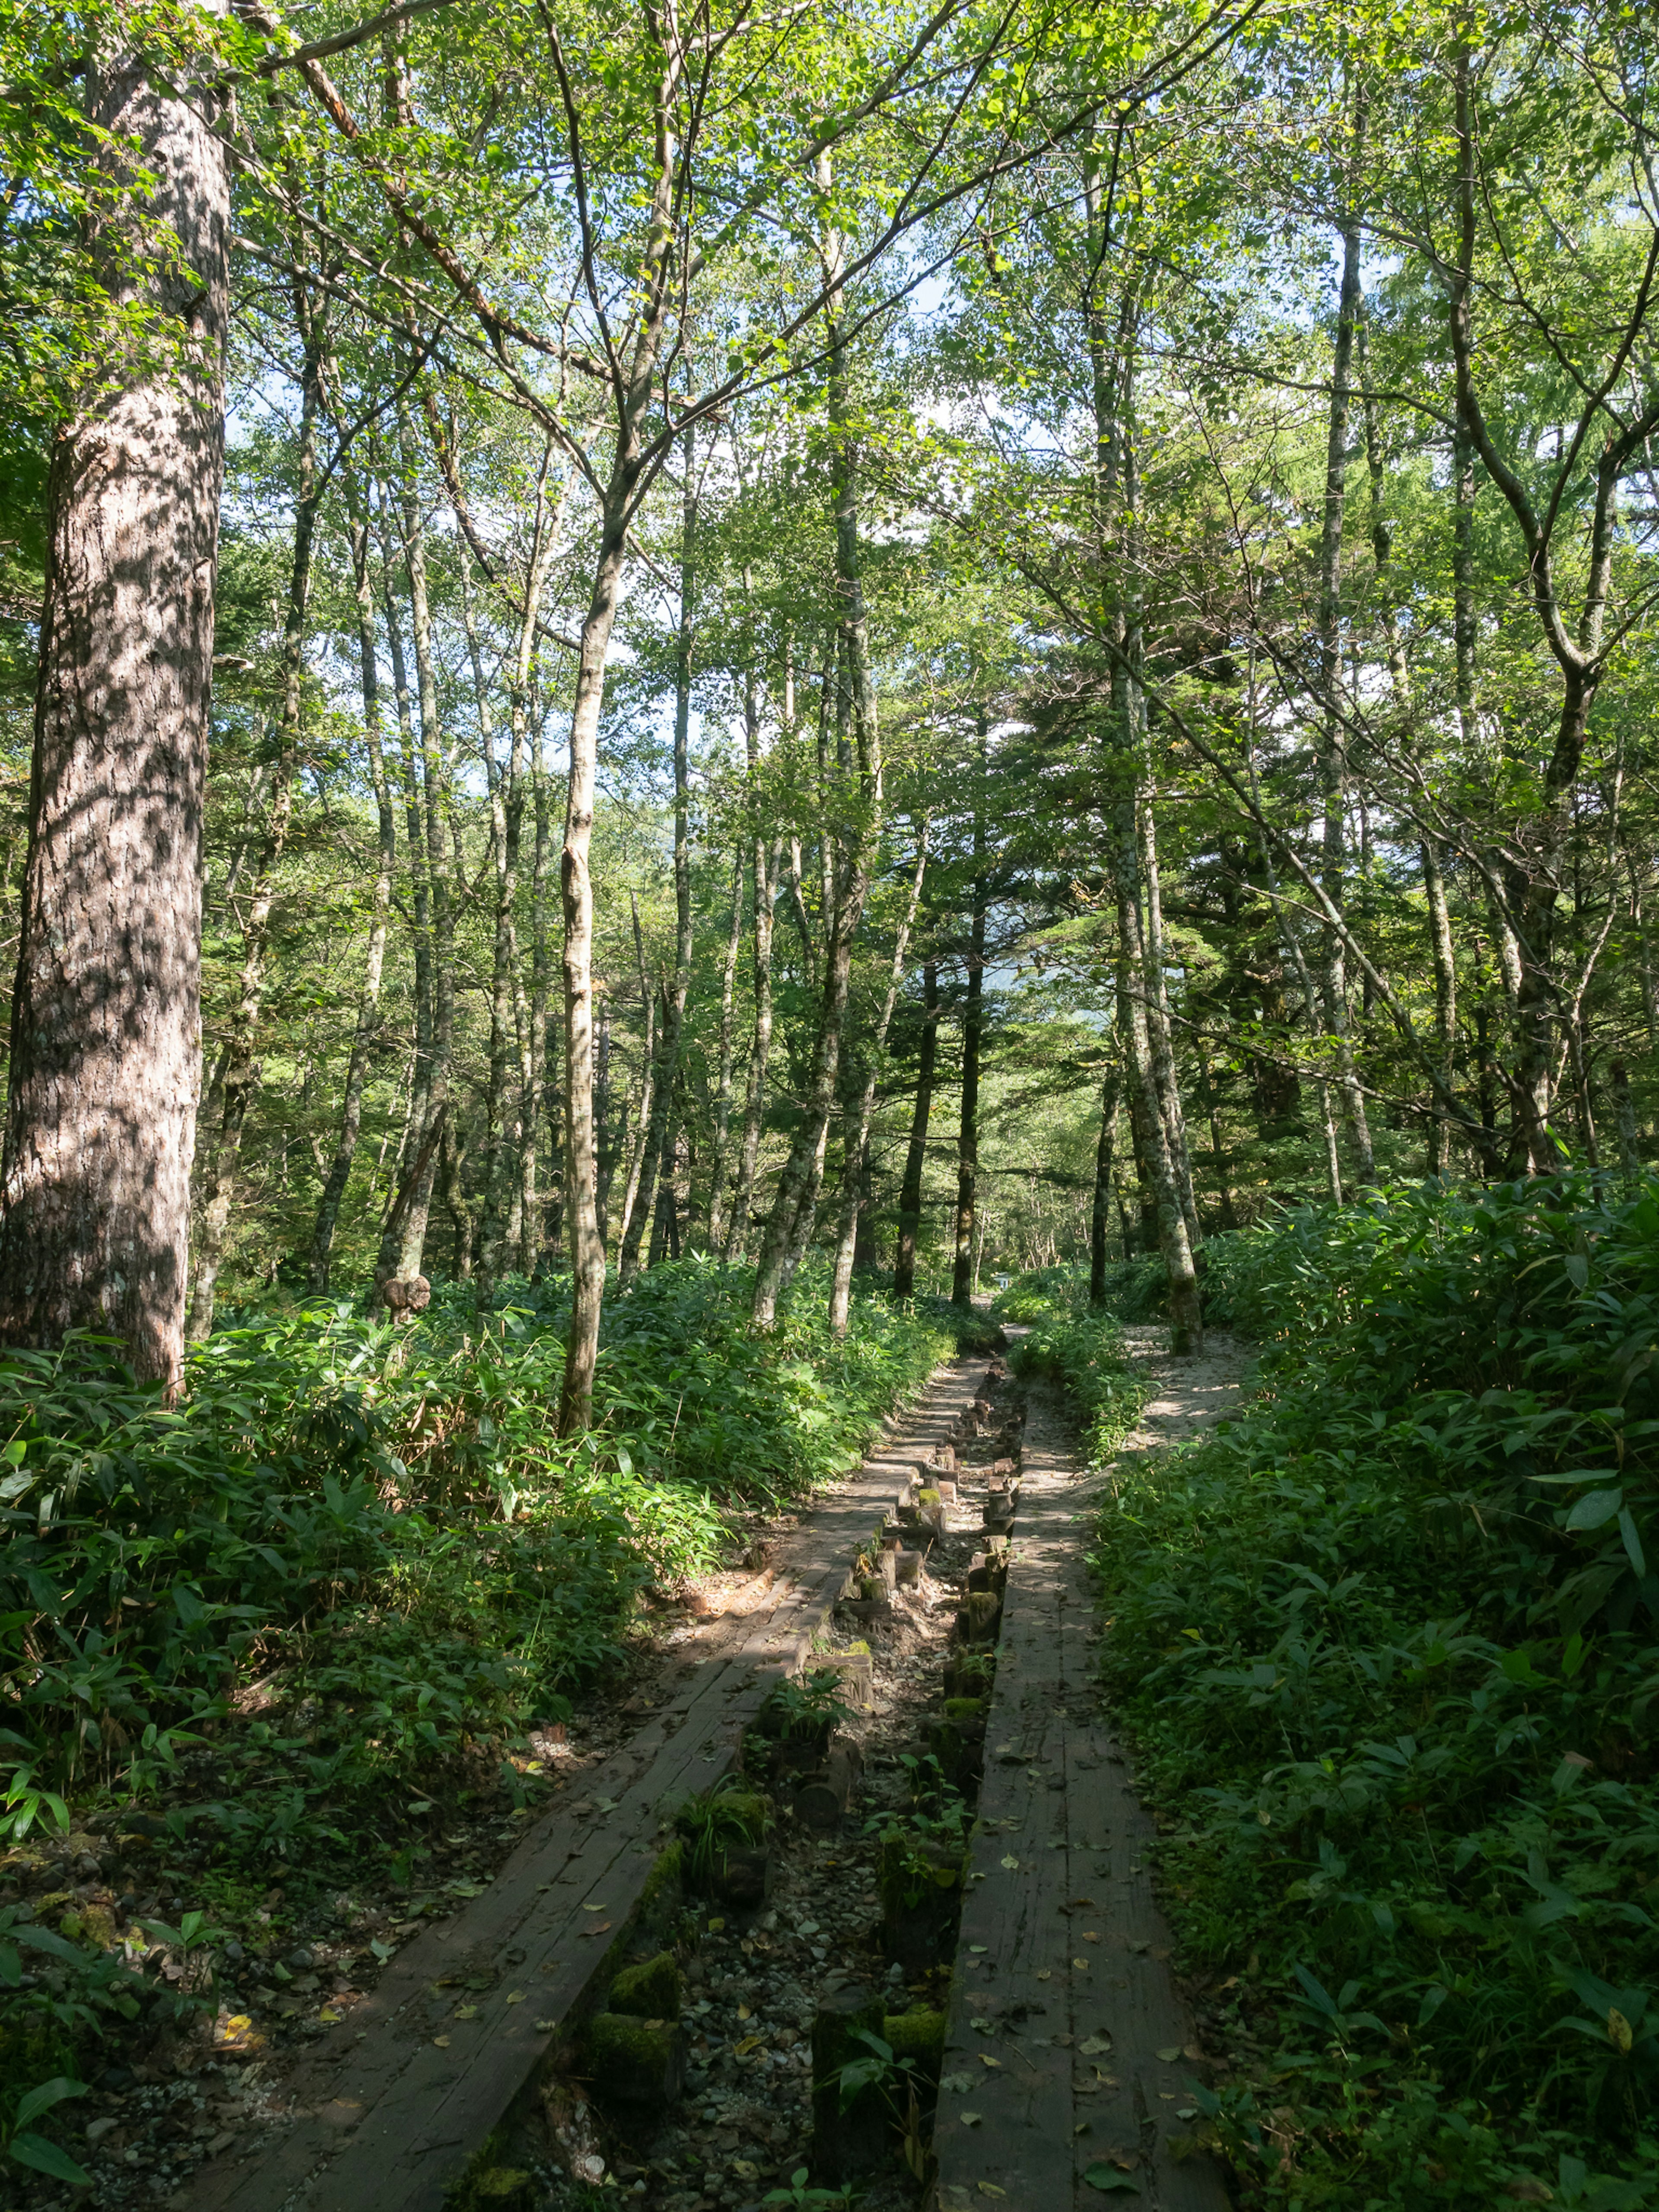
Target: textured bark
100,1117
368,1030
910,1221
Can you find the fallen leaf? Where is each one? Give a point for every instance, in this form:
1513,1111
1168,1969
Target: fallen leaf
750,2042
1090,1937
330,2018
604,1929
716,1926
968,2119
979,1949
744,2013
464,2012
1103,2177
1095,2045
990,2188
1013,1865
1137,1943
1044,1974
1082,1965
745,2169
545,2027
1169,2054
986,2059
441,2042
516,1996
591,1908
958,2084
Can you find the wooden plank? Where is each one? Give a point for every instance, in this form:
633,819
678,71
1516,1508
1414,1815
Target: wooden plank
382,2117
1085,1870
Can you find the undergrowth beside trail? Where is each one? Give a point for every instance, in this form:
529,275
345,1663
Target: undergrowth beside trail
287,1627
1389,1648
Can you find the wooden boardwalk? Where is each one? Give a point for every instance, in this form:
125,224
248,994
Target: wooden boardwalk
383,2115
1066,2039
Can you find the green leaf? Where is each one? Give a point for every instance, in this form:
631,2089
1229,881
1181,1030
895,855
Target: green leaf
1104,2178
48,2093
1595,1510
45,2158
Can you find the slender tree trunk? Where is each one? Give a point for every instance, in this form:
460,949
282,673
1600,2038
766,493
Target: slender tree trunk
1100,1212
1185,1309
237,1078
368,1004
1332,750
723,1079
421,1062
643,1120
788,1227
101,1115
1445,995
538,1110
855,1169
438,866
754,1108
1624,1113
672,1028
1218,1149
916,1157
972,1020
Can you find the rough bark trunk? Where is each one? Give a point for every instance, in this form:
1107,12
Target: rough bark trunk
916,1157
100,1117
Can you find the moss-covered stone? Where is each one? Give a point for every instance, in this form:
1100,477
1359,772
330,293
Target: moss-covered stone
959,1710
918,2035
655,1991
636,2062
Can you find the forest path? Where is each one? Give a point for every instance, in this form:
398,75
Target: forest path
1188,1396
1070,2052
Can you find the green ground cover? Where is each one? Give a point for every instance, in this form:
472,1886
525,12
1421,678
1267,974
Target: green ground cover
1388,1646
283,1628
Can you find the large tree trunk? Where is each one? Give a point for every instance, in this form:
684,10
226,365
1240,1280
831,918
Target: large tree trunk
909,1221
100,1117
368,1003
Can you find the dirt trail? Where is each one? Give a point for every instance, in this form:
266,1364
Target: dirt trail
1188,1395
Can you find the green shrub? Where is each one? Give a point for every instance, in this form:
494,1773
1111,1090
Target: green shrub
1388,1645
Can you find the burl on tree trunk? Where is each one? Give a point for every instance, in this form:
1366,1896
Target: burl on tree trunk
105,1033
